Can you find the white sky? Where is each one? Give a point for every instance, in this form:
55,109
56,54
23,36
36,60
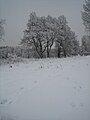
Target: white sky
16,13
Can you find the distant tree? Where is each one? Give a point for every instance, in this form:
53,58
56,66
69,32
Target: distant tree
2,32
73,45
66,42
86,15
60,30
85,44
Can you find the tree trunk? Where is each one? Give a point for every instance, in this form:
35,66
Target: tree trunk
48,52
41,52
58,52
41,55
64,52
48,49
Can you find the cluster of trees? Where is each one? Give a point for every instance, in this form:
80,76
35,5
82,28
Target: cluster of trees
14,52
51,37
4,51
43,34
48,35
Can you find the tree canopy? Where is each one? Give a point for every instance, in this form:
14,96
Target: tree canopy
43,33
86,15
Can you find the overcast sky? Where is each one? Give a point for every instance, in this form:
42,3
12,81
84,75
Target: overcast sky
16,13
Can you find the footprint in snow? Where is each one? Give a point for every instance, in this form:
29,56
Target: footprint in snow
73,105
4,101
80,87
10,102
35,82
10,66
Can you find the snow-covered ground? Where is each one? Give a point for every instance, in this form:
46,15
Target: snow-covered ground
48,89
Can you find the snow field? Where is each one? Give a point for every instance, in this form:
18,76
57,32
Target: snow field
47,89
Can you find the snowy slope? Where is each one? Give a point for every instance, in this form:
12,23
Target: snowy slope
48,89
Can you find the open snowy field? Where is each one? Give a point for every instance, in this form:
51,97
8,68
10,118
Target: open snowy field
47,89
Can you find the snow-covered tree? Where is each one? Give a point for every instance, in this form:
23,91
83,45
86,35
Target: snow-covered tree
43,33
50,34
72,45
34,35
66,42
85,44
2,32
86,15
39,34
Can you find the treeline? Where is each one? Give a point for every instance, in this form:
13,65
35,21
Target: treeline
12,53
